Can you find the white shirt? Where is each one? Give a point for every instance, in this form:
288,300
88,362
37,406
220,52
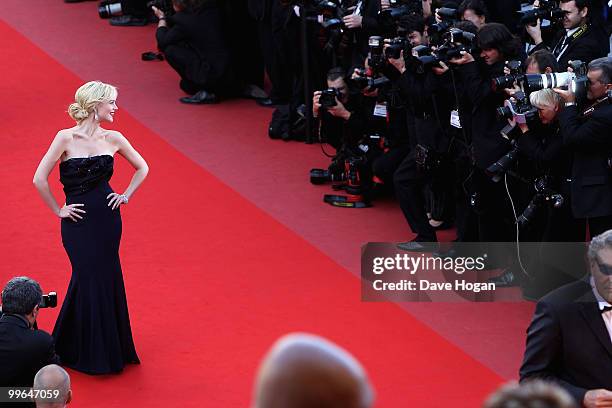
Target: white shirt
607,316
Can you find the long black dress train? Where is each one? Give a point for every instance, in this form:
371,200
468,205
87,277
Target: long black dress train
92,333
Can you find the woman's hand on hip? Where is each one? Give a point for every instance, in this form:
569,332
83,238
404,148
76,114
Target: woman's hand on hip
71,211
116,200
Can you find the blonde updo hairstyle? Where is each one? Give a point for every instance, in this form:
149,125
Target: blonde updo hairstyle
88,96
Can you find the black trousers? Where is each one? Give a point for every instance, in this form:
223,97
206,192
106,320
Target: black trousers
385,165
410,190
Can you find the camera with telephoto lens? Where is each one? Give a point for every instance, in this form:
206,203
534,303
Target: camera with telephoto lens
334,173
437,30
111,8
544,195
548,10
49,300
497,170
575,81
516,75
328,97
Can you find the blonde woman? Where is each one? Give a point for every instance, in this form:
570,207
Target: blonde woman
92,333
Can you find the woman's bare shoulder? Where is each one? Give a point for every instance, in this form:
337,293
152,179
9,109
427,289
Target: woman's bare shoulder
65,134
114,136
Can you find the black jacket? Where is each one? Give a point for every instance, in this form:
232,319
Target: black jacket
589,141
337,131
587,47
200,44
487,143
23,351
568,343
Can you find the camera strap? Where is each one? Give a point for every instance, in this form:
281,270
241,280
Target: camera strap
565,42
594,106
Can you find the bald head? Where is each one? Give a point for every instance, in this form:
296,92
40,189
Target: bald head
53,377
306,371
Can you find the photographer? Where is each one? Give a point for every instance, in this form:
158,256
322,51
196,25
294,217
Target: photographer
23,349
586,133
474,11
578,40
429,166
495,217
194,45
547,217
489,202
340,112
400,131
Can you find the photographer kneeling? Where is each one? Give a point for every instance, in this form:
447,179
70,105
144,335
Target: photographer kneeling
192,41
23,349
586,133
339,111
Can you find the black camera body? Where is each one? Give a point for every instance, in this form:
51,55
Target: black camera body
396,46
427,159
518,109
164,5
548,10
450,44
365,80
328,97
49,300
516,75
544,195
376,56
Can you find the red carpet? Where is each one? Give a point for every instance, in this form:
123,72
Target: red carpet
229,140
211,279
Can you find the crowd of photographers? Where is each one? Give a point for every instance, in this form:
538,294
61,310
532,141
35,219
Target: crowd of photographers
499,121
494,116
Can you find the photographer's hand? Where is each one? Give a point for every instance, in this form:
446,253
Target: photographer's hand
160,16
523,126
512,91
315,103
535,32
399,63
339,111
566,95
466,58
426,8
370,93
352,21
437,17
441,70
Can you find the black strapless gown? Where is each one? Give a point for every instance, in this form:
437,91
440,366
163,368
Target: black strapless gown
92,333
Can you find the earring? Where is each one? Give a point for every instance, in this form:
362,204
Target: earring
96,117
